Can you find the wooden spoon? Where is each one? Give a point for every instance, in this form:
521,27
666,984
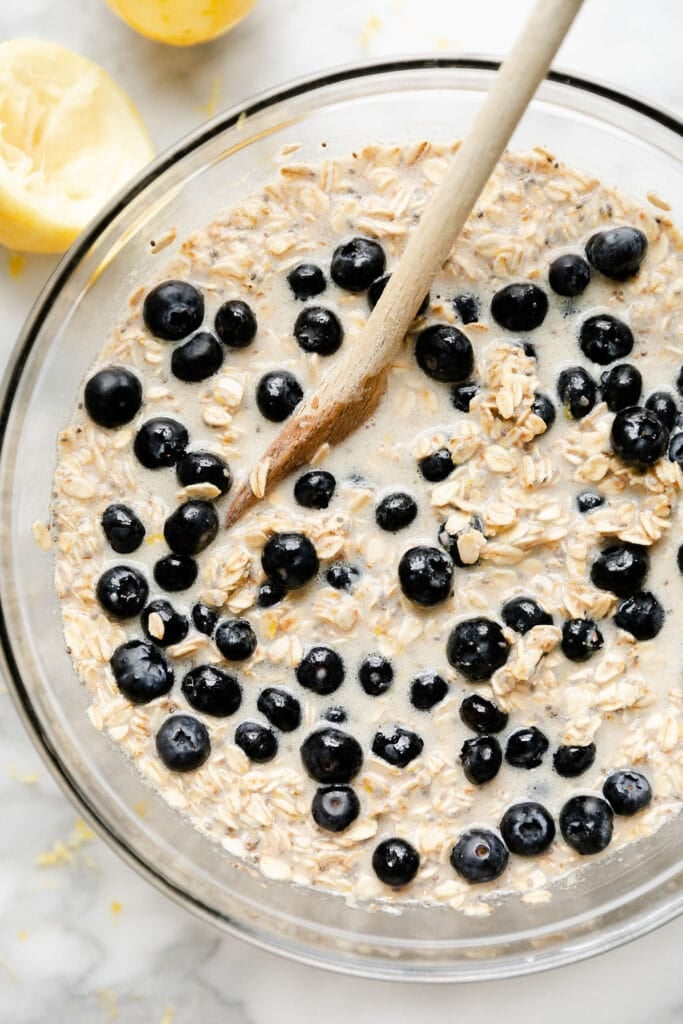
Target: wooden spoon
349,393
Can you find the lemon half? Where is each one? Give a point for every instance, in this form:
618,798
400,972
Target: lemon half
181,22
69,139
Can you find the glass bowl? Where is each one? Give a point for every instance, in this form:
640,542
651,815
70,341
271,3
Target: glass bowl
620,139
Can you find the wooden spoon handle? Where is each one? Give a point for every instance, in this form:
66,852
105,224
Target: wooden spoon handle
352,388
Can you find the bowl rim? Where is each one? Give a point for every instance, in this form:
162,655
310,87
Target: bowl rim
611,937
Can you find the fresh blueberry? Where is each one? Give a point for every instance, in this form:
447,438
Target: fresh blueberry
204,468
160,442
356,264
375,675
377,287
397,745
113,396
663,404
331,755
197,359
481,715
526,747
581,638
173,310
450,542
321,670
569,762
122,528
462,395
543,407
280,708
235,324
680,559
171,624
235,639
425,575
122,591
578,391
395,862
212,691
587,501
527,828
479,855
586,824
523,613
618,252
183,743
437,466
289,559
395,512
306,280
621,386
627,791
444,353
569,275
477,647
314,489
519,307
426,690
257,741
620,568
342,576
604,338
191,528
335,714
481,758
277,395
641,615
141,671
270,593
204,618
175,573
679,381
639,437
334,808
467,308
676,449
318,330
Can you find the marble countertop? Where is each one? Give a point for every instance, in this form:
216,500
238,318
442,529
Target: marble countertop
82,938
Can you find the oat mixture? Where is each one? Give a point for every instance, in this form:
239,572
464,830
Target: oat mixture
513,504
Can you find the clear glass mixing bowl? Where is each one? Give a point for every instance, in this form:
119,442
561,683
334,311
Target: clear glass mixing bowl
620,139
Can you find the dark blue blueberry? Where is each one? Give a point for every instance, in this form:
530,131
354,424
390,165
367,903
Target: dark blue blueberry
523,613
437,466
620,568
581,638
477,647
306,280
627,791
235,639
481,715
676,449
578,391
191,528
175,573
519,307
336,715
569,275
113,396
270,593
479,856
314,489
334,808
160,442
525,748
257,741
174,626
639,437
426,690
377,287
543,407
621,386
663,404
356,264
679,381
183,743
204,618
680,559
569,762
280,708
425,575
342,576
204,468
462,395
527,828
395,862
395,512
587,501
212,691
331,755
641,615
321,670
450,541
444,353
172,310
197,359
318,330
289,559
235,324
618,252
604,338
122,591
122,528
586,824
141,671
277,395
375,675
397,745
467,308
481,758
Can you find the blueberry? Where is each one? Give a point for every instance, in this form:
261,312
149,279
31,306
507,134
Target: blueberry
618,252
397,745
627,791
679,381
425,575
587,501
321,670
543,407
586,824
620,568
318,330
212,691
356,264
526,747
173,310
122,591
395,862
641,615
141,671
479,855
235,324
462,395
315,489
437,466
481,715
639,437
183,743
277,395
270,593
160,442
621,386
204,618
451,541
395,512
578,391
175,573
306,280
334,808
331,755
444,353
377,287
342,576
171,624
204,468
523,613
113,396
527,828
280,708
122,528
481,758
477,647
375,675
235,639
198,359
519,307
426,690
335,714
289,559
604,338
569,275
680,559
581,638
191,528
569,762
676,449
663,405
467,308
257,741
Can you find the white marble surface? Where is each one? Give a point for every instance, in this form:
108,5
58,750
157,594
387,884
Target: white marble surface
89,941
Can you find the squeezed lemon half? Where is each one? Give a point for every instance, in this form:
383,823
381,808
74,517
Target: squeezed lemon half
181,22
69,139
